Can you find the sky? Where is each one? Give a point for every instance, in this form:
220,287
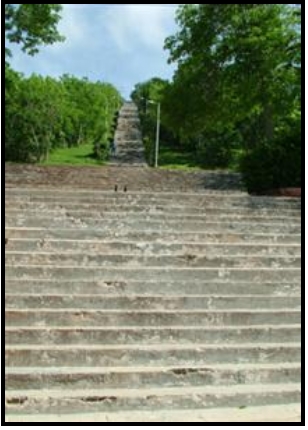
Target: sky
119,44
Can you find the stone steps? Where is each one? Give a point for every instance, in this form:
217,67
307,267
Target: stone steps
58,401
133,145
274,413
137,178
153,225
150,318
143,248
128,138
141,210
153,216
231,200
157,207
222,335
92,259
142,206
102,378
153,288
147,305
120,274
132,302
76,356
29,192
161,236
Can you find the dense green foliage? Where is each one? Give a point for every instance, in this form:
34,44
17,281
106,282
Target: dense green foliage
32,25
235,97
44,113
237,86
276,163
147,95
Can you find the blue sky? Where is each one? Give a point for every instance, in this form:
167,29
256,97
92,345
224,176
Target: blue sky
120,44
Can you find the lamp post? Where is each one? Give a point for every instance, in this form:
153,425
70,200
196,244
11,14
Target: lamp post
157,131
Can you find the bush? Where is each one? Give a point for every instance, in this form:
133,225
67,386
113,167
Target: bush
217,148
101,150
274,164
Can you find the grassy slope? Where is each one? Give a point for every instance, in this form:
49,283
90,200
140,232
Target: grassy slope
81,155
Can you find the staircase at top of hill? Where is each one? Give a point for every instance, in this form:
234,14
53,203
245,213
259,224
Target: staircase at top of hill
128,140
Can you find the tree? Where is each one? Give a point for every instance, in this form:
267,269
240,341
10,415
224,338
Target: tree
42,114
34,118
143,95
32,25
91,107
237,65
237,87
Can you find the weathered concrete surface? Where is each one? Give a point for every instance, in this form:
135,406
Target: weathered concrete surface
35,335
188,355
112,400
261,414
150,306
136,178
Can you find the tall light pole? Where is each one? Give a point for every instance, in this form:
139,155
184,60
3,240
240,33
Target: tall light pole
157,131
157,135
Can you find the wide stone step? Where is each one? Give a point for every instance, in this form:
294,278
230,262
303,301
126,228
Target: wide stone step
127,124
109,274
215,334
71,378
65,221
143,209
129,155
144,288
99,302
197,200
158,180
150,318
163,236
265,413
149,216
108,400
229,194
208,193
128,129
131,260
128,118
125,150
146,248
131,144
117,205
148,355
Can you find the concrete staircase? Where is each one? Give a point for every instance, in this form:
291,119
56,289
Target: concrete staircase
128,139
151,307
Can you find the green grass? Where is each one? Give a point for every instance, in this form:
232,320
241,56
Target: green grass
80,155
170,158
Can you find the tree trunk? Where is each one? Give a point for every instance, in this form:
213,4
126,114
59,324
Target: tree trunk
268,122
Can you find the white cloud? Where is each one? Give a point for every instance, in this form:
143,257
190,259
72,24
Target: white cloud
121,44
143,25
73,27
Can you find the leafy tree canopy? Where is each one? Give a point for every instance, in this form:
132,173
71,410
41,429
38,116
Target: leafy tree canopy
32,25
